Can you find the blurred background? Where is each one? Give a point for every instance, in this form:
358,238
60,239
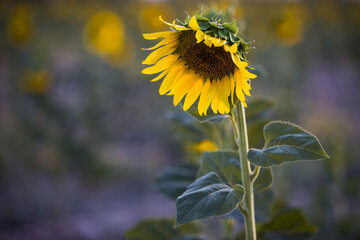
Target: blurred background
83,133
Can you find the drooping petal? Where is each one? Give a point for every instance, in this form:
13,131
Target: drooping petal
209,98
193,94
161,43
159,53
215,101
161,75
232,88
186,85
157,35
177,27
174,71
203,96
246,74
161,65
236,59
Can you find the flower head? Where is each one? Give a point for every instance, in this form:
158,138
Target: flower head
203,59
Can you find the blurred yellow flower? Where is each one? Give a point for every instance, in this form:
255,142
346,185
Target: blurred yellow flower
20,25
289,30
149,13
104,33
36,82
205,146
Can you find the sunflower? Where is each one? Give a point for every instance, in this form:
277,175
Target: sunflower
203,59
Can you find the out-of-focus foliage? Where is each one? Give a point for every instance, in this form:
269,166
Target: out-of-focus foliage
83,135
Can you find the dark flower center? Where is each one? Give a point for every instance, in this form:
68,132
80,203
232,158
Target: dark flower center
213,63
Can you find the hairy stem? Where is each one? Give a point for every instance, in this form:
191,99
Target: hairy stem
242,142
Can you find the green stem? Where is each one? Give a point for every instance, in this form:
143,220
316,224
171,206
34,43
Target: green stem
242,142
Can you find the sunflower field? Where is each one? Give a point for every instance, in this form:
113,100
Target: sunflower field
179,120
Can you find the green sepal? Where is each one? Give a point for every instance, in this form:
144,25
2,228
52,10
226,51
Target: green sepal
286,142
207,196
204,25
233,37
223,34
215,25
231,26
200,17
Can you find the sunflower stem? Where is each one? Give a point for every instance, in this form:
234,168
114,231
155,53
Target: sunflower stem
242,142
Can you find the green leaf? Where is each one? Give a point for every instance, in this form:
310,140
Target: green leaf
286,223
264,180
286,142
231,26
159,229
174,180
210,116
206,197
225,164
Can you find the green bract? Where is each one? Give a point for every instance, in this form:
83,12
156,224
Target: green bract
214,27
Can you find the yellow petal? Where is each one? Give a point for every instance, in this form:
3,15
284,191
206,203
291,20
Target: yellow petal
161,43
225,92
199,36
203,96
236,59
161,65
193,24
157,35
232,87
208,39
187,83
233,48
218,42
193,94
215,101
209,98
175,71
226,48
248,75
239,86
177,27
161,75
159,53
